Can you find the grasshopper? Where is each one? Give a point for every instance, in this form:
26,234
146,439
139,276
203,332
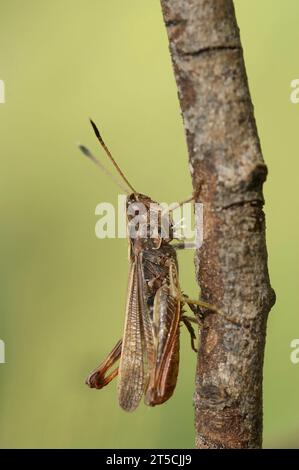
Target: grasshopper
148,353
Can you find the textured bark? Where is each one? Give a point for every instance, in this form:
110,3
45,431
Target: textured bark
228,173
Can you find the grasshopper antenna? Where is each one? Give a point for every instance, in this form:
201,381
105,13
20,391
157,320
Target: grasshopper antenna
175,205
98,135
87,153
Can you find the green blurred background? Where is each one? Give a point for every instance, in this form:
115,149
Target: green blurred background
62,291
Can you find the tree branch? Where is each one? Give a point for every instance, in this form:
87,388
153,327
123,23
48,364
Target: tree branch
228,173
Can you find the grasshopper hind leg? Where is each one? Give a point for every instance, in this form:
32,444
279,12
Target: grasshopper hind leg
98,379
197,305
196,309
187,322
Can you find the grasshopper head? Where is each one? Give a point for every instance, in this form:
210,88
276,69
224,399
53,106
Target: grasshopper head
148,222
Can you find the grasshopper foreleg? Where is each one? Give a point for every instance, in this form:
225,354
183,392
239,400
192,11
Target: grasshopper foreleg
97,379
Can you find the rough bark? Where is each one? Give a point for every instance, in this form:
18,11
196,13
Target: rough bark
228,172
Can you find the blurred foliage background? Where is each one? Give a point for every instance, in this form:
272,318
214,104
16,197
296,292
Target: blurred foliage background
62,291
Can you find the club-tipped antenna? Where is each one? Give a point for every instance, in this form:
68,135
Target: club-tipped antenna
87,153
98,135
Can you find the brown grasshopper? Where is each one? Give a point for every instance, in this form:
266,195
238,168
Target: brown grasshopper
149,349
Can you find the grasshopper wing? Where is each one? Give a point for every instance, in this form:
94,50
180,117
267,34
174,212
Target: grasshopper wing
132,375
163,375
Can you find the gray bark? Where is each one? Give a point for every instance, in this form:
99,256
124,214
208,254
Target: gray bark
228,172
